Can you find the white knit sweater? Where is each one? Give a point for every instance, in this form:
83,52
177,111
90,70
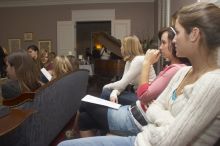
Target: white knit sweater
192,119
131,75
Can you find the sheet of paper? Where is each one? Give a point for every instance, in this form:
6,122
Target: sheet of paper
46,74
96,100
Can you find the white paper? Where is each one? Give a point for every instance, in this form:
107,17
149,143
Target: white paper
46,74
96,100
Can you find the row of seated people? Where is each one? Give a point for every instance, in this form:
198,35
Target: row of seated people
44,59
48,104
137,68
24,80
24,73
178,107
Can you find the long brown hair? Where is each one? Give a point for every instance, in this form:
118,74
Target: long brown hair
205,16
25,69
171,34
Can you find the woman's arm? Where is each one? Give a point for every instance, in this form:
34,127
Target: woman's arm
131,75
152,56
158,112
198,113
111,85
149,92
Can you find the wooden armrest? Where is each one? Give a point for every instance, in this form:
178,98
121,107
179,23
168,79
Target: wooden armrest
24,97
15,118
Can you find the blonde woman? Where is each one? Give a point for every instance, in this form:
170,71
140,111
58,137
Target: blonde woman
61,66
132,53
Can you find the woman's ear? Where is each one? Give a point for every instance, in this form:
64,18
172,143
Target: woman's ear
194,34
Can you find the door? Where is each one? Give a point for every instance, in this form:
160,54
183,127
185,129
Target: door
121,28
65,38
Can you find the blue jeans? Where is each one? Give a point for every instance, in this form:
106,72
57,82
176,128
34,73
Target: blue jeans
121,122
100,141
125,98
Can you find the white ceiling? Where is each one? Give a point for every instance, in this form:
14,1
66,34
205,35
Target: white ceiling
18,3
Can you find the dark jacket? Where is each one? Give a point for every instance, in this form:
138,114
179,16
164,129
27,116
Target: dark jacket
11,89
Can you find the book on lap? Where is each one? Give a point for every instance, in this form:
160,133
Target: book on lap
96,100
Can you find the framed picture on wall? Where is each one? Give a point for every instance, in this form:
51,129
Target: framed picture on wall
45,44
28,36
14,44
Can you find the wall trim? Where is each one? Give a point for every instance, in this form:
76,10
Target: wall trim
22,3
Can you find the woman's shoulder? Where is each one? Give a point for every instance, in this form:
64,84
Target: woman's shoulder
177,67
11,89
11,82
139,58
213,74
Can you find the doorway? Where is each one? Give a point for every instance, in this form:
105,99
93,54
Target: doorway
85,34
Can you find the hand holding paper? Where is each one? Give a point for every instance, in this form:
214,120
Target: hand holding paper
96,100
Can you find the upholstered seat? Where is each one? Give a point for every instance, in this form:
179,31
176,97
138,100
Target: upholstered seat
56,103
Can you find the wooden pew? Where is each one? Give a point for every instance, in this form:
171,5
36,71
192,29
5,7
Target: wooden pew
13,119
24,97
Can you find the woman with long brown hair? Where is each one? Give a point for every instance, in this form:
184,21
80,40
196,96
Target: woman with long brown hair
22,73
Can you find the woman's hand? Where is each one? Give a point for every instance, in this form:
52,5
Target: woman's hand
114,99
151,56
114,96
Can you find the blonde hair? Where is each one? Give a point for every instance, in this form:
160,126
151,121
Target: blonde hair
61,66
131,47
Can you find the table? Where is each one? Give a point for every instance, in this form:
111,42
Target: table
89,67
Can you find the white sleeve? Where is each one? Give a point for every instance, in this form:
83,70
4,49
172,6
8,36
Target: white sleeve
132,73
200,110
152,74
157,112
114,93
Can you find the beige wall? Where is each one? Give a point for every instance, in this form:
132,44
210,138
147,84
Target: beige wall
177,4
42,20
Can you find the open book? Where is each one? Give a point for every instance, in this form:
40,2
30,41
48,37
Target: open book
46,74
96,100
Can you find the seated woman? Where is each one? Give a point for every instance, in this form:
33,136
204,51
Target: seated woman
45,60
132,53
114,121
22,73
187,112
62,66
147,91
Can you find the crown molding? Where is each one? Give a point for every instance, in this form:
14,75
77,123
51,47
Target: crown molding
22,3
